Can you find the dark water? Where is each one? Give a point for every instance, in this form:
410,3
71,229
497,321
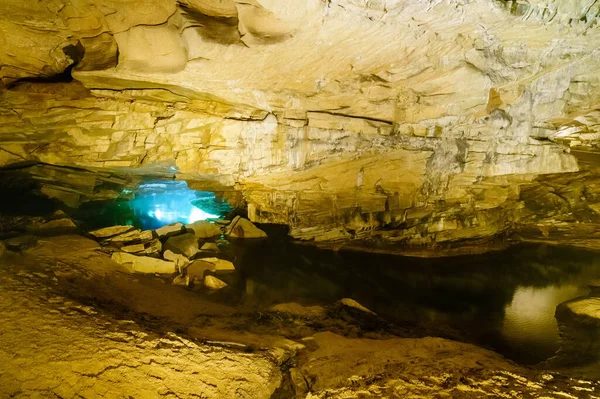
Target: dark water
503,301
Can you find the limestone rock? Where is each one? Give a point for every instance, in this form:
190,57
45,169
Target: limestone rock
133,236
210,247
110,231
579,330
219,264
243,228
21,242
169,230
185,244
153,247
204,229
351,303
181,261
214,283
57,226
197,269
181,280
144,264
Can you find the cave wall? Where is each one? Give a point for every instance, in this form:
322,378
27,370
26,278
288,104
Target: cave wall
416,121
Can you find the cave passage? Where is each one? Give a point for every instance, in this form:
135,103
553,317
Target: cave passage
155,203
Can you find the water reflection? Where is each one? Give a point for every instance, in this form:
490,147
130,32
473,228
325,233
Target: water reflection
504,301
529,319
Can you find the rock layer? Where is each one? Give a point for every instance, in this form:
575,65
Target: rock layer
336,118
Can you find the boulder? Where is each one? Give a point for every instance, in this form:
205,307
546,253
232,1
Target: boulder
143,264
132,237
180,261
169,230
203,229
153,247
210,247
21,242
214,283
351,303
181,280
594,287
197,269
57,226
219,264
111,231
243,228
579,330
185,244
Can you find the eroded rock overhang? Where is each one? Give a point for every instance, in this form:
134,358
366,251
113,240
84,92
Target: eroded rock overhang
414,121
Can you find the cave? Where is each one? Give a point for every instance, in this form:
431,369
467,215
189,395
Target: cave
299,199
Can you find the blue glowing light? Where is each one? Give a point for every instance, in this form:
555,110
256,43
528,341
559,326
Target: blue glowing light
158,203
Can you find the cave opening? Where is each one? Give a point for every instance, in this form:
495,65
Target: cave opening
154,203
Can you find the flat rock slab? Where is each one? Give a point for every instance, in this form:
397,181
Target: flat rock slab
133,236
144,264
587,308
184,244
57,226
220,264
53,347
214,283
21,242
204,229
111,231
169,230
243,228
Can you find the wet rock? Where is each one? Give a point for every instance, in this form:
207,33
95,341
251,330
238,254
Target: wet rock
144,264
185,244
197,269
180,261
153,247
169,230
133,249
300,384
204,229
579,330
220,264
181,280
594,288
111,231
21,243
243,228
418,368
297,310
210,247
351,303
134,236
214,283
57,226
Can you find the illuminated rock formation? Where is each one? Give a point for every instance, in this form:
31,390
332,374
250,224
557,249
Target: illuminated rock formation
341,118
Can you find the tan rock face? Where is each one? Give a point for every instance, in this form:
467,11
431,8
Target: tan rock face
335,118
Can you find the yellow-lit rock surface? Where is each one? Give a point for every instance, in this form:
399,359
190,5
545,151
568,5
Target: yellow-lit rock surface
338,118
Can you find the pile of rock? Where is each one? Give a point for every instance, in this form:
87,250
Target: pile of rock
190,251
